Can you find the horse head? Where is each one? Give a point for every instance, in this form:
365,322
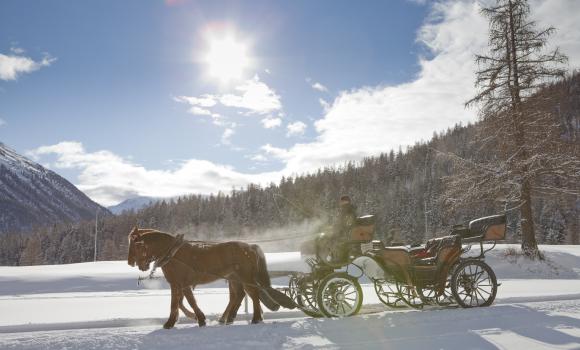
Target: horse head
138,250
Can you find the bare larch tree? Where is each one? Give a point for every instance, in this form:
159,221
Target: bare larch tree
523,155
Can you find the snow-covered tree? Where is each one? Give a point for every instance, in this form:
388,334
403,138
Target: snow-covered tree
517,122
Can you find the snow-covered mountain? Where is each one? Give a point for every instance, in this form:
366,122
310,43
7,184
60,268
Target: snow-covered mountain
33,195
135,203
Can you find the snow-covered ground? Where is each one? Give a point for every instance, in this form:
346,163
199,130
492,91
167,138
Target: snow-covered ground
101,306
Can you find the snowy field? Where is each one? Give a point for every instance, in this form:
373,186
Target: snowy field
101,306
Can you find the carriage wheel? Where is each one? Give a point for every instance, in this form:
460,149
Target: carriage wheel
387,293
339,295
303,292
473,283
410,296
446,298
429,296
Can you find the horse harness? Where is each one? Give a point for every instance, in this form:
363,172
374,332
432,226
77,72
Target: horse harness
170,255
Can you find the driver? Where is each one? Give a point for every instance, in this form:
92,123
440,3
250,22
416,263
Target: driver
337,241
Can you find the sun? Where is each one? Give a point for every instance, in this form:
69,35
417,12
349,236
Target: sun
227,57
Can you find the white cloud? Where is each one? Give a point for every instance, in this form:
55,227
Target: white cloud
228,133
276,152
258,158
316,85
271,122
319,87
195,110
109,179
205,100
12,66
17,50
2,122
254,96
325,105
296,129
370,120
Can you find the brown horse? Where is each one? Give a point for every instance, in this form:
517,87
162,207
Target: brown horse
185,266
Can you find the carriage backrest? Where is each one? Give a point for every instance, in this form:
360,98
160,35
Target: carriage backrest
363,228
395,257
490,228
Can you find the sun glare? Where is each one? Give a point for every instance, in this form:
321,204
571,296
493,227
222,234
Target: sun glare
227,58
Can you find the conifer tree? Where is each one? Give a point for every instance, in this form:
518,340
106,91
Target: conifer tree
524,131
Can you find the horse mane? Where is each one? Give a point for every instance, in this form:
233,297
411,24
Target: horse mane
153,235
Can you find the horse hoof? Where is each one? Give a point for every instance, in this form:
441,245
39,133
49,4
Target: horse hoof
168,325
257,321
202,323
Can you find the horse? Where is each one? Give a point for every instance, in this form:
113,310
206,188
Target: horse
185,265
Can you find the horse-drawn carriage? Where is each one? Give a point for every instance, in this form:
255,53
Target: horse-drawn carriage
440,272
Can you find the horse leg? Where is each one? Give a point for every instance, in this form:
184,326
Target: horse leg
198,313
236,302
254,293
186,311
230,312
176,296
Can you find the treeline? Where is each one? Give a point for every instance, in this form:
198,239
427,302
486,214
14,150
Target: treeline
403,189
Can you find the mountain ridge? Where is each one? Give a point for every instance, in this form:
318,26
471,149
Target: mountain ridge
32,195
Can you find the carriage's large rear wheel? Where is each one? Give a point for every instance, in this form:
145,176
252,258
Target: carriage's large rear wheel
339,295
473,284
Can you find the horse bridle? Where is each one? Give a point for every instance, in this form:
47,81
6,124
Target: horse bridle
165,257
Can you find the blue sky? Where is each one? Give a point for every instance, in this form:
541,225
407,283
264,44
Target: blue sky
116,95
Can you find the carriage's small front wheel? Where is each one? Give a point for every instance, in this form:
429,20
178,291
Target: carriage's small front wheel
473,284
339,295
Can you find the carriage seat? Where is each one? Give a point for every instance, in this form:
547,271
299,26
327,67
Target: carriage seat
489,228
438,248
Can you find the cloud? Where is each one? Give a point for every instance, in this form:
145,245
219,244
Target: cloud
271,122
2,122
17,50
228,133
319,87
258,158
109,179
325,105
252,96
12,66
205,100
369,120
276,152
296,129
316,85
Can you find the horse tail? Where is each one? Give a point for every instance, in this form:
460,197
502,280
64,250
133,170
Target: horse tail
269,296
